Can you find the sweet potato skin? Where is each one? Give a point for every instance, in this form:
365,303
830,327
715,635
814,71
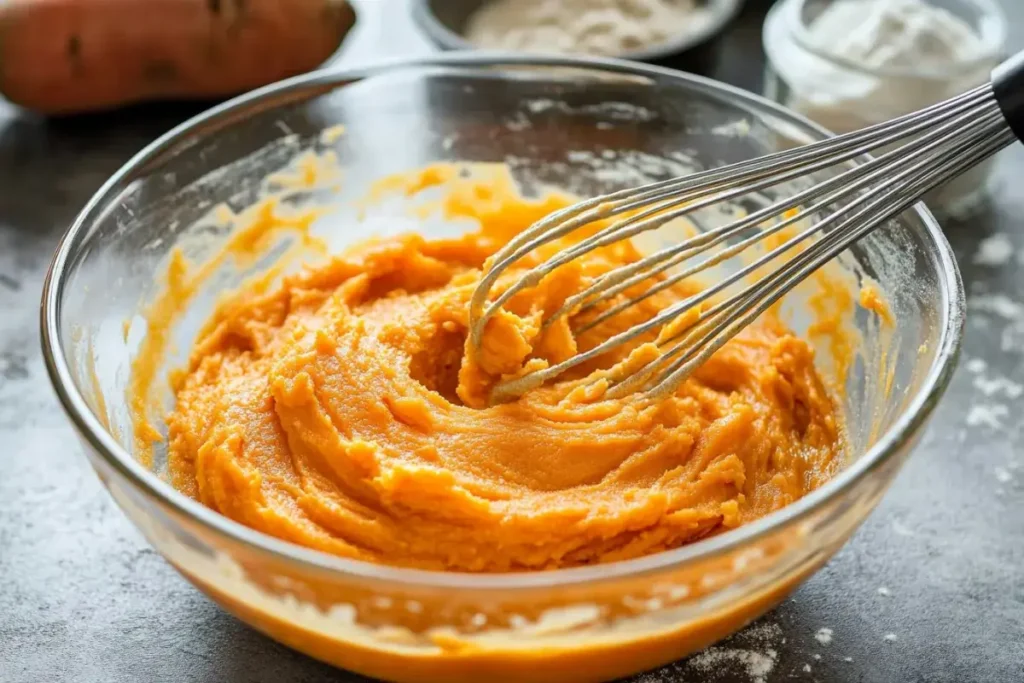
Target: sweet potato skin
69,56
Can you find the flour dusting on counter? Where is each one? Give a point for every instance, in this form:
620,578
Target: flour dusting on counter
1007,313
994,250
757,665
998,385
750,655
999,304
757,660
987,415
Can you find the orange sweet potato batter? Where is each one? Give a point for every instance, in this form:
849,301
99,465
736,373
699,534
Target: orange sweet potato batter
344,411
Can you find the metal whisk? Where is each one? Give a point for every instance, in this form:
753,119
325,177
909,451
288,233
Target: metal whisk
937,144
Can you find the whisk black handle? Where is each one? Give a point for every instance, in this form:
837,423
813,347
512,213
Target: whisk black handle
1008,85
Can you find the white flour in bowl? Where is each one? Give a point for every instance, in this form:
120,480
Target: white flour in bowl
595,27
861,62
930,46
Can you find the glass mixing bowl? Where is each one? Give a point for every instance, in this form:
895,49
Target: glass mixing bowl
585,125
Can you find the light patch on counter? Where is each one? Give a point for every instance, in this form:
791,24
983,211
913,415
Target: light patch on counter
987,415
998,385
994,250
999,304
752,653
1010,311
902,529
976,365
757,665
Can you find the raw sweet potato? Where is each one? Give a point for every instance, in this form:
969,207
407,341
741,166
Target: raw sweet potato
66,56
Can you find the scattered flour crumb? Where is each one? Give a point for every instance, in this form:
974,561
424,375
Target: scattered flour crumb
824,636
997,385
817,657
1009,311
764,634
987,415
847,659
654,677
1003,475
807,668
1000,304
976,365
757,665
751,653
882,590
1012,338
902,529
994,250
890,637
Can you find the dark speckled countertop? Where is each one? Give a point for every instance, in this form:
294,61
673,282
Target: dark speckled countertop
930,589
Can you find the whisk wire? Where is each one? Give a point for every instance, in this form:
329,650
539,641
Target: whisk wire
936,144
850,182
756,300
611,285
563,222
665,195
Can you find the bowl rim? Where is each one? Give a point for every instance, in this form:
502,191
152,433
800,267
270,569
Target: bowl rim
436,31
91,428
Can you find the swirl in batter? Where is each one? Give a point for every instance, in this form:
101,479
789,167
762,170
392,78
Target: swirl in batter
342,411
